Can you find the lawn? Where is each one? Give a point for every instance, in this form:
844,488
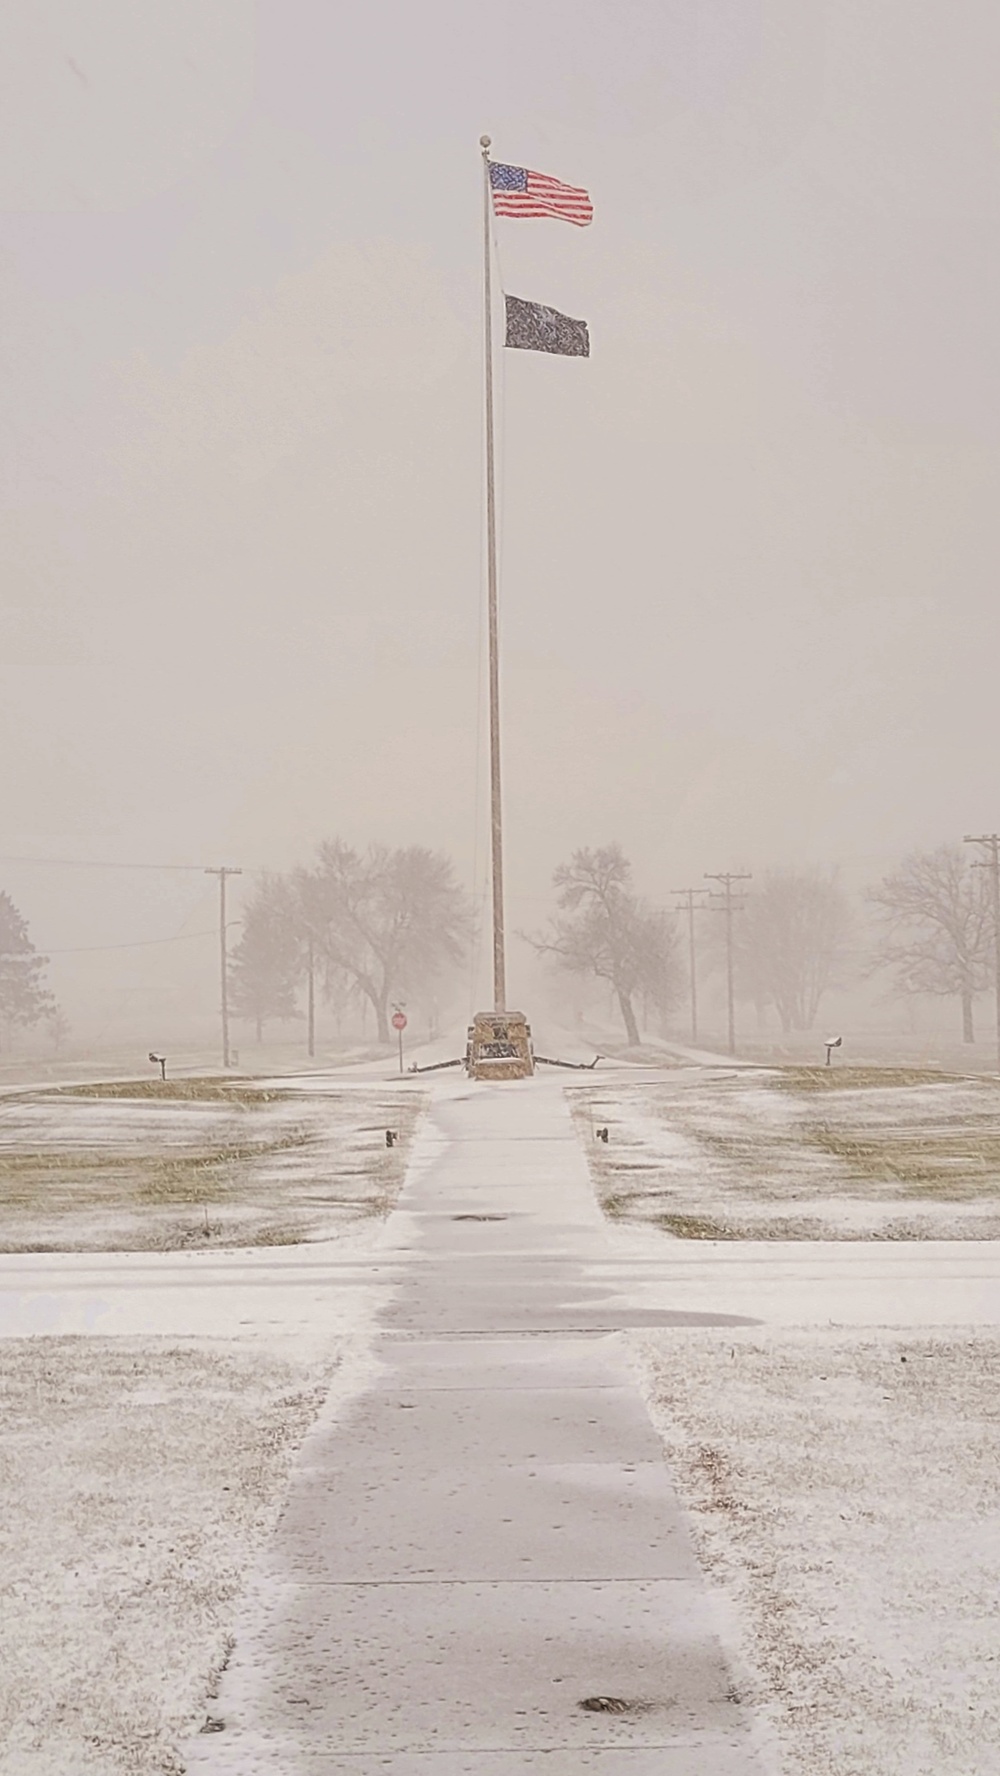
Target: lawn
206,1089
799,1153
138,1478
153,1165
845,1496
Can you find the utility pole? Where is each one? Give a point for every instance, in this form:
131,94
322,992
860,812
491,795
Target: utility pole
991,861
727,878
686,896
223,873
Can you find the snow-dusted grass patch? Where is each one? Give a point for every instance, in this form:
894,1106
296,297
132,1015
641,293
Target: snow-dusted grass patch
799,1153
194,1088
840,1078
845,1498
137,1479
196,1163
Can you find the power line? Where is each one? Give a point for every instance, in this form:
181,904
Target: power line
142,943
686,896
97,863
223,871
727,878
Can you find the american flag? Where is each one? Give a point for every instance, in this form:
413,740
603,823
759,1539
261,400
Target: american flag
519,192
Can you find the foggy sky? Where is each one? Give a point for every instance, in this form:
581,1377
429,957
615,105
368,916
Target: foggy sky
749,548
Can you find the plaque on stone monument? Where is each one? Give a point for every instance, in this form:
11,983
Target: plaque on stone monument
499,1046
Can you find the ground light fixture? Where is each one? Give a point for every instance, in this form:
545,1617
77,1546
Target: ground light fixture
159,1061
830,1044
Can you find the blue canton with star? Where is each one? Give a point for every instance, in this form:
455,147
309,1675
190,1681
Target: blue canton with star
505,178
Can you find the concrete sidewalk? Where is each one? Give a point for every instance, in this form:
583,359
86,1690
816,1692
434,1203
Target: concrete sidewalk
487,1539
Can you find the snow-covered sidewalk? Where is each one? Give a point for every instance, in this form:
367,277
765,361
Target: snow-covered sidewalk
776,1283
481,1567
298,1299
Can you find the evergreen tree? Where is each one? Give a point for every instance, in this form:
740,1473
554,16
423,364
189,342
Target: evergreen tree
267,963
24,999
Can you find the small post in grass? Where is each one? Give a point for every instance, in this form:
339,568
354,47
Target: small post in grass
831,1043
161,1062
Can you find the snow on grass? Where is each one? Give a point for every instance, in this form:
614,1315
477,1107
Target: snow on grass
193,1088
799,1153
196,1164
845,1499
138,1477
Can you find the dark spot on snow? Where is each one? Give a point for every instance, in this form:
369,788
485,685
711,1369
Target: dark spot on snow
613,1705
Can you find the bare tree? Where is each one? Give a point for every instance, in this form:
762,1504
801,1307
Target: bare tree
790,942
604,929
386,920
268,962
936,927
23,998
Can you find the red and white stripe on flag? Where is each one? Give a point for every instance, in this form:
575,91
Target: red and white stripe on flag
517,191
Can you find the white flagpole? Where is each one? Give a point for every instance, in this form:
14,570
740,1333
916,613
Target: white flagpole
496,819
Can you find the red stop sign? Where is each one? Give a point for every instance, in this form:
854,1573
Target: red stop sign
399,1020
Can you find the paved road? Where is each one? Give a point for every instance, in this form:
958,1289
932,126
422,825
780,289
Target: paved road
488,1537
306,1294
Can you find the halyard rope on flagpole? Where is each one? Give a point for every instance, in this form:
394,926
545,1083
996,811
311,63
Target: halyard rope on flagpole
482,848
496,814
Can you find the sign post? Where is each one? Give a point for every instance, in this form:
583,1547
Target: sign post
399,1024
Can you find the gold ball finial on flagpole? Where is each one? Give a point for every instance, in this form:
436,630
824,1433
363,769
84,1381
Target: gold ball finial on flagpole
485,141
